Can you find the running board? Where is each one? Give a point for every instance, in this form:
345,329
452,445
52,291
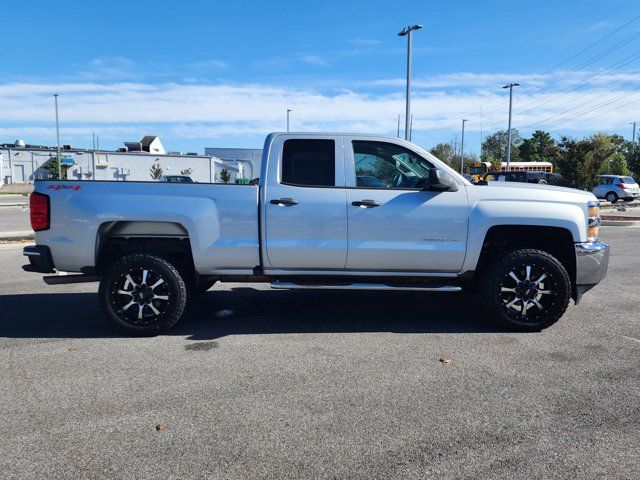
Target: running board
364,286
66,279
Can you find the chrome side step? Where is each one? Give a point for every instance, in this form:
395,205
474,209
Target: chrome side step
363,286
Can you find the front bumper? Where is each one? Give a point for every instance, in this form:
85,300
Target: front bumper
592,262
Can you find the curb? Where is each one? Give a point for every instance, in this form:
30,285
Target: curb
17,236
620,223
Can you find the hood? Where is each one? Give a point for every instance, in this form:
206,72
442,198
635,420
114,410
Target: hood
528,192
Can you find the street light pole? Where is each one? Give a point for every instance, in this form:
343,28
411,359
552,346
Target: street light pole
407,31
55,99
464,120
510,87
288,112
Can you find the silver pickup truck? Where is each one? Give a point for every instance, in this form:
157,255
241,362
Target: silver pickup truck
330,211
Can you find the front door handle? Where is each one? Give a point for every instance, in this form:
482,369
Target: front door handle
366,203
284,201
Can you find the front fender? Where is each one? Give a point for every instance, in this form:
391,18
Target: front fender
492,213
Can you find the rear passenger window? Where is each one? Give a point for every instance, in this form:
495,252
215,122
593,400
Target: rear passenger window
309,163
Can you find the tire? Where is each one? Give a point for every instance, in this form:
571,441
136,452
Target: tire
142,304
546,297
203,286
611,197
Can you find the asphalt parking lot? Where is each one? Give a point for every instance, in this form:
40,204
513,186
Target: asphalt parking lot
272,384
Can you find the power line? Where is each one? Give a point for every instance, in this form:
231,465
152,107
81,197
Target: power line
587,62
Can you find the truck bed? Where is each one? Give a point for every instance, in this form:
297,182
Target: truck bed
219,220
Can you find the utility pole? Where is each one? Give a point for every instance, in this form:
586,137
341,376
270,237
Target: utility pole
510,87
288,112
411,127
93,136
464,120
481,133
55,99
633,138
407,31
398,134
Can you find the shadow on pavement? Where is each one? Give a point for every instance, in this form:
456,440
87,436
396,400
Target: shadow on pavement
216,314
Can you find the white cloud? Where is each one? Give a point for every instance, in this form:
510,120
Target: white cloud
194,110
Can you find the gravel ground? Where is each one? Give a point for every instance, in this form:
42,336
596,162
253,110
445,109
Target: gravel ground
270,384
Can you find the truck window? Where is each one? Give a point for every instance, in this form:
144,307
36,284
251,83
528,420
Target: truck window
309,163
389,166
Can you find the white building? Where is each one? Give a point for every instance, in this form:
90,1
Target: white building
251,157
20,163
148,143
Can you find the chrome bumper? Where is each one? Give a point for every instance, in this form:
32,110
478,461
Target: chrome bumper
592,261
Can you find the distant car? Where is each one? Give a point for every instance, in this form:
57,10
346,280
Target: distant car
614,187
541,178
176,179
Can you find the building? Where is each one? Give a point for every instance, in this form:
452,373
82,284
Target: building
21,163
251,158
148,143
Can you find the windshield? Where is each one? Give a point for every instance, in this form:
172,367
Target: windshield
478,170
627,180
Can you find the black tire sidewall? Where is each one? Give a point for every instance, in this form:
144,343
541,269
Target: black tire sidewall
561,288
173,279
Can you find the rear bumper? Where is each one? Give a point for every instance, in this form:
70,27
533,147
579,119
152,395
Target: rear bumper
592,262
40,260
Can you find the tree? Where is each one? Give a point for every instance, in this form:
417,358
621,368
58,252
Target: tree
469,158
52,167
156,171
541,147
581,161
224,175
444,152
494,147
618,165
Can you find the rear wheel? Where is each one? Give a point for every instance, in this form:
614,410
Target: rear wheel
526,290
611,197
142,294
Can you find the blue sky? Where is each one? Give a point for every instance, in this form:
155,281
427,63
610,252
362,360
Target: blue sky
209,73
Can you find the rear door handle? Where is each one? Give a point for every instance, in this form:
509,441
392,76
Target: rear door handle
366,203
284,201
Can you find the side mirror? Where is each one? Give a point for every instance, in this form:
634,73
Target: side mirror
441,181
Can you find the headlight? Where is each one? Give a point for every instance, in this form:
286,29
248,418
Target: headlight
594,221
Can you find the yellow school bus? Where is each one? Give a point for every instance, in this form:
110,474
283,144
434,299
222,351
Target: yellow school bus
477,170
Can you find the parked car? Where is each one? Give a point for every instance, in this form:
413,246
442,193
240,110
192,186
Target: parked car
527,248
541,178
615,187
176,179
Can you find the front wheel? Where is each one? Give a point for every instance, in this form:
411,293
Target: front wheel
142,294
526,290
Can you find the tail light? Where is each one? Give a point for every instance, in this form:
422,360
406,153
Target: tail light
40,212
622,186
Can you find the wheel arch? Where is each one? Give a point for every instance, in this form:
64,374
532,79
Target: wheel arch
557,241
166,239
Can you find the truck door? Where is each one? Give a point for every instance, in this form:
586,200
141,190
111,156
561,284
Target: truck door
394,225
304,203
